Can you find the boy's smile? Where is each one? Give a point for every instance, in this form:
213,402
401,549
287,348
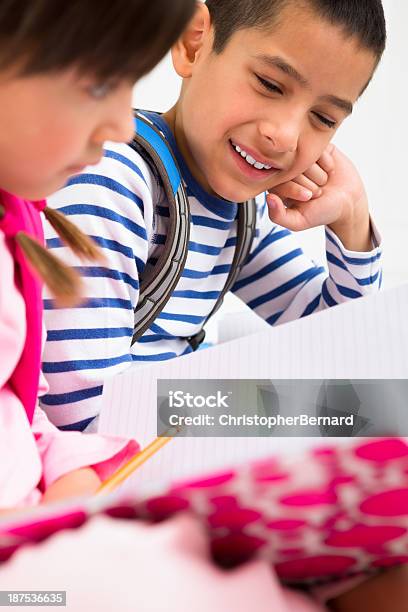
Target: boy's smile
254,165
263,110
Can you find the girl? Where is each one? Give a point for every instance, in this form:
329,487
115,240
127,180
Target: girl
65,87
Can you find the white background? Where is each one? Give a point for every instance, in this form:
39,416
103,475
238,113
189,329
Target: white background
375,138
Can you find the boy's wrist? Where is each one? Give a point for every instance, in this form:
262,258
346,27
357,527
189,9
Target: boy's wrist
354,230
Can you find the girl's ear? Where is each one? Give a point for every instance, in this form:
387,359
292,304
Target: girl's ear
187,49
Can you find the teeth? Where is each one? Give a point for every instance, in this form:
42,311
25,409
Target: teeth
251,161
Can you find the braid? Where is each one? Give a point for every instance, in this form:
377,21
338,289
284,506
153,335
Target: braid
63,282
82,245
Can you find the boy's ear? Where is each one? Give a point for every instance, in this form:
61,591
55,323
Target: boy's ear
187,49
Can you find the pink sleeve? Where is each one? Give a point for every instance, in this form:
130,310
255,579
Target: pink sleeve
64,451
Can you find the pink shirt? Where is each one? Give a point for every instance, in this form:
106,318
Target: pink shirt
33,457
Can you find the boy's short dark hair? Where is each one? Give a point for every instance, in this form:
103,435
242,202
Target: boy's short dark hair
105,38
363,19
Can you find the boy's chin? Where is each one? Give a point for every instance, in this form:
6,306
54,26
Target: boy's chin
241,196
235,191
234,194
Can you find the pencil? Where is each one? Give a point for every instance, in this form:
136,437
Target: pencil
126,470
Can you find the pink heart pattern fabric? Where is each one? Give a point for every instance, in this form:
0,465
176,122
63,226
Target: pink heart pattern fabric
334,512
337,512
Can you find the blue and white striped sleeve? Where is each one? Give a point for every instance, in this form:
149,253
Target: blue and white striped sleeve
112,202
280,283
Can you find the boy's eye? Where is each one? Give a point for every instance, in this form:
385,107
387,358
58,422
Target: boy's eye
325,120
268,85
274,88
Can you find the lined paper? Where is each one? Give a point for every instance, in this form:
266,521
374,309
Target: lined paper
366,338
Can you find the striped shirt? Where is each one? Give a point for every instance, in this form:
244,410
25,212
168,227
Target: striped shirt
123,207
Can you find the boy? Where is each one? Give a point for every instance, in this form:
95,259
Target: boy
266,84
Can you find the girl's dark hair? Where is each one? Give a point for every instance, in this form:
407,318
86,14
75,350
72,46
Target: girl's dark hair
363,19
103,38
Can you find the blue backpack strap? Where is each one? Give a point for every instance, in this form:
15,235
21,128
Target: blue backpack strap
156,287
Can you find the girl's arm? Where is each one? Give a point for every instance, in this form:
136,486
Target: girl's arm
84,481
75,464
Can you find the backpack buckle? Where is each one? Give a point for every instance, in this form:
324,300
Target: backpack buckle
196,340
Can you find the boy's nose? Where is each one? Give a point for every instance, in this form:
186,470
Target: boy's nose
282,136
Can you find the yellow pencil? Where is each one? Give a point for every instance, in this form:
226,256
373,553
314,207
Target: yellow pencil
126,470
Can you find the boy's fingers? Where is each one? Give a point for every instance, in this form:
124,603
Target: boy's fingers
306,183
294,191
326,160
317,174
292,219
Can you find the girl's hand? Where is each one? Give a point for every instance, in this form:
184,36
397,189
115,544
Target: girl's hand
84,481
338,201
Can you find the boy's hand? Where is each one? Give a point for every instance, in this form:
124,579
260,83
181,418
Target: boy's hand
84,481
338,200
309,184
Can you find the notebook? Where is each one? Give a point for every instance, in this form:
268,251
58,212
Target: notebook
235,486
318,509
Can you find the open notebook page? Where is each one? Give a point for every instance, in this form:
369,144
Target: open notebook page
367,338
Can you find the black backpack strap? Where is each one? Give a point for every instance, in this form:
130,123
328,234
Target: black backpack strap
245,235
156,287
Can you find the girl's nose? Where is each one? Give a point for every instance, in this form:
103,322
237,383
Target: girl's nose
117,124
